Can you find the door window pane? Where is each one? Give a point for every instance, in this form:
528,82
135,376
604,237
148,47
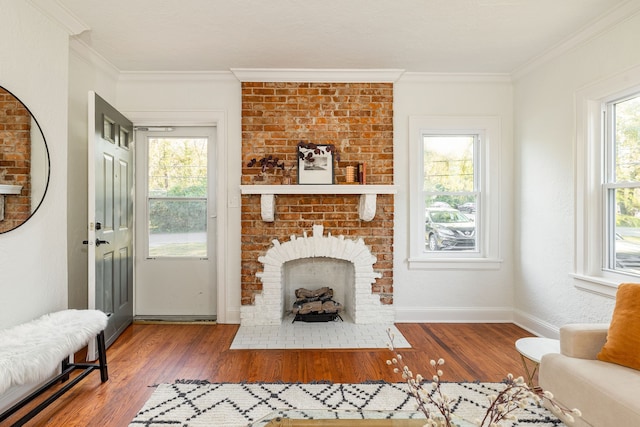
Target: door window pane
177,197
177,228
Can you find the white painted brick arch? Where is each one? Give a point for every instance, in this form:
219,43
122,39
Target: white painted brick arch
268,308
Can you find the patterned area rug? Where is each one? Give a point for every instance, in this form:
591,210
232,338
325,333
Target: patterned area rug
193,403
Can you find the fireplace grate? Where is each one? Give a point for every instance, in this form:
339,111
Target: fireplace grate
317,317
316,305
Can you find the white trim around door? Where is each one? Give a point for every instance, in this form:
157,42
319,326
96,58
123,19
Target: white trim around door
217,118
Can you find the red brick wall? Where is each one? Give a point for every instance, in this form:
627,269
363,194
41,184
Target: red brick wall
357,118
15,155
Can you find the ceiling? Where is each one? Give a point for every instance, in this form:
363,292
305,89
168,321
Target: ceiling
435,36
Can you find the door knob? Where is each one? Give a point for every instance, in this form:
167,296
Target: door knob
100,242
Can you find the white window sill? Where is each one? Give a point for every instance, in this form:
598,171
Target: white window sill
603,286
455,264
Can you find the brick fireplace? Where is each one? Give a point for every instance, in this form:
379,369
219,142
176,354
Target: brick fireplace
357,118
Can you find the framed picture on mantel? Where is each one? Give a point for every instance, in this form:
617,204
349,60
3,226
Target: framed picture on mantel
315,165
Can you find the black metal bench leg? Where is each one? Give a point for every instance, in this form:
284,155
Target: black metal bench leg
65,366
102,357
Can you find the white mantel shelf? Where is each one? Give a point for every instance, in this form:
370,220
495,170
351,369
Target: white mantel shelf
368,193
318,189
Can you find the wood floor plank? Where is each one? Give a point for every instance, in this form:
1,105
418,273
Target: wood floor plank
149,354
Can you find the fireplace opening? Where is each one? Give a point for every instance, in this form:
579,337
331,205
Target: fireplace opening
315,273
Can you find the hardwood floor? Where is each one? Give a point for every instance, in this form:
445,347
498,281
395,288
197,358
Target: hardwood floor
145,355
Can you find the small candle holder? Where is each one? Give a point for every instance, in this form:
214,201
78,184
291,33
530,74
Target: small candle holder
351,174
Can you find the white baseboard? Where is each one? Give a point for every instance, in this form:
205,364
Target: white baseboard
535,325
454,315
177,319
526,321
232,316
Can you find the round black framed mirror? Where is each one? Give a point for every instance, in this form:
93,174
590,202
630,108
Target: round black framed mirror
24,163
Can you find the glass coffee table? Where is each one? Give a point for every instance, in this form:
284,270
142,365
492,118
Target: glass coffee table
532,349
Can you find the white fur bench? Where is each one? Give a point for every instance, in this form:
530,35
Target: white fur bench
32,352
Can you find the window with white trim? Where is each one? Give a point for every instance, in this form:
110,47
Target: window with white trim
607,233
453,219
621,186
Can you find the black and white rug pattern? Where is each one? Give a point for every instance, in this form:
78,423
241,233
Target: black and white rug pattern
196,403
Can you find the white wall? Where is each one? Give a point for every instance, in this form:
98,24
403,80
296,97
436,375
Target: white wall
545,294
452,295
33,258
86,72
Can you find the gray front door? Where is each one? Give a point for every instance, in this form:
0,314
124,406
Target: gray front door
110,215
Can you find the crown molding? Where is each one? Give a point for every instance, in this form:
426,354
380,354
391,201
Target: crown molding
304,75
90,56
176,76
598,26
60,14
420,77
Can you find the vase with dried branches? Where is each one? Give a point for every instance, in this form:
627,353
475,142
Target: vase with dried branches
268,165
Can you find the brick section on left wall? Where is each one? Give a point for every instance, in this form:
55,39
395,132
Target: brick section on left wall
15,159
357,118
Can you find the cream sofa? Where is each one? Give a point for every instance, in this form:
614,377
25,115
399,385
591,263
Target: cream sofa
608,395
